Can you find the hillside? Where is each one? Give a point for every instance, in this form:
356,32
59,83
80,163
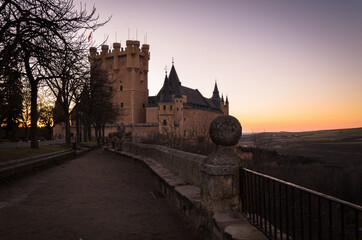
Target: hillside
329,146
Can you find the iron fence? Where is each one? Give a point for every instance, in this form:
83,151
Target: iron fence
283,210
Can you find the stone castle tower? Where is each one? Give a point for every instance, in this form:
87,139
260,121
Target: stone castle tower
128,72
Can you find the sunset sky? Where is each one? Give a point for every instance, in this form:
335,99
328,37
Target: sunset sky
285,65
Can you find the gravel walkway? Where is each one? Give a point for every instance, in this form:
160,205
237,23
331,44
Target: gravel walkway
97,196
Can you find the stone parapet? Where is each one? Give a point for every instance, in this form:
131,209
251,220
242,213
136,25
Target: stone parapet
183,195
183,164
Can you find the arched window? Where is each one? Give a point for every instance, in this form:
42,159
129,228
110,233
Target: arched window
170,107
121,88
164,107
164,122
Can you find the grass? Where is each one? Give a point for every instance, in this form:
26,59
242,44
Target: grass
7,154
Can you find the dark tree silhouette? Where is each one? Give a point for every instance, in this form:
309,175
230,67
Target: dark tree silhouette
12,103
46,118
34,33
95,106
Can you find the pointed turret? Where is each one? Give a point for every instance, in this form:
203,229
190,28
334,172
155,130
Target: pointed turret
215,96
227,100
175,82
215,93
222,98
166,94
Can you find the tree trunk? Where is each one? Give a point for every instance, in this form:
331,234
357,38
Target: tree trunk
26,132
85,132
67,127
67,132
96,131
77,127
34,114
33,101
99,133
50,135
89,132
103,127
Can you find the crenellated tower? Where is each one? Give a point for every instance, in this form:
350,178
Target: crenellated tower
128,72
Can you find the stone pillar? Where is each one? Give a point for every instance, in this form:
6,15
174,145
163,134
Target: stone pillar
220,170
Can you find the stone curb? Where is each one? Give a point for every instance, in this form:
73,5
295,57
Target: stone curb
234,226
17,168
184,196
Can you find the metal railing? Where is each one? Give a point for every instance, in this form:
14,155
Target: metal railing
283,210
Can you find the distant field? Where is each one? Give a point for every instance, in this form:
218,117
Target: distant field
332,146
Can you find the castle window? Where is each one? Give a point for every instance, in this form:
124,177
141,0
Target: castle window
177,109
122,105
164,122
121,88
184,119
176,100
143,105
170,107
164,107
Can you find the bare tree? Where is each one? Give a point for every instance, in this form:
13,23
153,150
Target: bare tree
198,131
261,140
67,87
170,134
33,33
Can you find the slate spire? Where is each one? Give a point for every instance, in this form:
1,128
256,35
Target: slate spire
166,94
215,93
215,96
175,83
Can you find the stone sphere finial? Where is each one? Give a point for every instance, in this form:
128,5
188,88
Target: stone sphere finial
225,130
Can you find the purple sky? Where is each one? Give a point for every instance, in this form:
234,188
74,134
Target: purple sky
285,65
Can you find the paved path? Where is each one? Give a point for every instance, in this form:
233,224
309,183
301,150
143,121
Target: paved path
97,196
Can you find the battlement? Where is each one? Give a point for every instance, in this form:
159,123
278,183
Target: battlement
132,46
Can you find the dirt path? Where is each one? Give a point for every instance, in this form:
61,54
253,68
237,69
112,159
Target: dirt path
97,196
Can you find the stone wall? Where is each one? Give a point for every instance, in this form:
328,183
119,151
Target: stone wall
183,164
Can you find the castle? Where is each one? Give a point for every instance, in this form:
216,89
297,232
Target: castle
175,109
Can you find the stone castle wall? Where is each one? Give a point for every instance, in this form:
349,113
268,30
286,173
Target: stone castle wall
128,72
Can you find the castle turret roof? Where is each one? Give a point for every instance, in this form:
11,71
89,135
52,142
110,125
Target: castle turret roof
175,82
227,100
166,93
215,96
215,93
